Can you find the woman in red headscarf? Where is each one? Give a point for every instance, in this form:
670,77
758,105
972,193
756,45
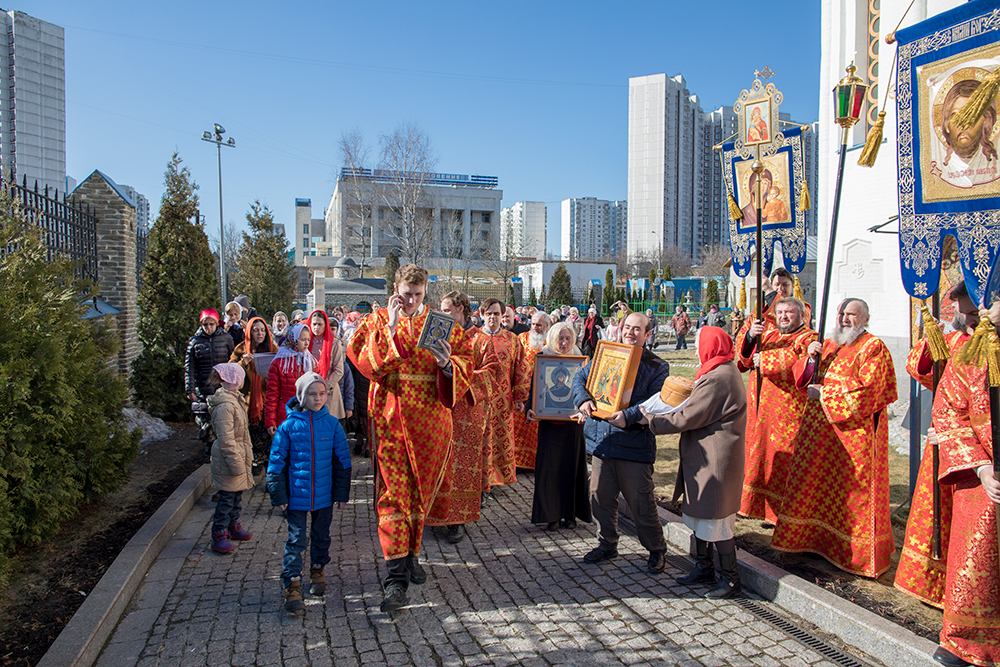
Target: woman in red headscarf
328,348
259,340
713,426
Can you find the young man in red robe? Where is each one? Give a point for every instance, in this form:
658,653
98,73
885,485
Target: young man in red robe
836,500
771,347
918,574
526,432
511,383
410,401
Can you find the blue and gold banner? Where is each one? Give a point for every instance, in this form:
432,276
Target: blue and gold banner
781,184
949,177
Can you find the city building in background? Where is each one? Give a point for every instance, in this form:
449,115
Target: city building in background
309,231
592,228
33,101
522,230
142,220
461,214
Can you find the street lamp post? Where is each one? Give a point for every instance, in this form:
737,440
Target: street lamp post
215,137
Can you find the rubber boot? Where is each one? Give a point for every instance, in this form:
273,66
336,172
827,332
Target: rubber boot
237,532
417,574
729,583
317,584
220,542
293,597
704,568
397,580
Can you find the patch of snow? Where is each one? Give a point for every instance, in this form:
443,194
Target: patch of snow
152,427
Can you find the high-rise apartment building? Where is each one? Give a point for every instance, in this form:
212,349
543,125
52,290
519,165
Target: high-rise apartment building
592,229
676,191
141,206
32,100
308,230
522,230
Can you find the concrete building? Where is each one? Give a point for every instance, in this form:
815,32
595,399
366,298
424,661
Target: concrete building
33,100
142,220
308,231
676,191
581,275
865,265
522,230
461,214
592,229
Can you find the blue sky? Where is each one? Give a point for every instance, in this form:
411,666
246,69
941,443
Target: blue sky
533,93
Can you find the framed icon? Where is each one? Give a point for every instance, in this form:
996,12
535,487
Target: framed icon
612,376
552,392
437,328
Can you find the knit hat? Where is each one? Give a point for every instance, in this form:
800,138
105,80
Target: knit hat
304,382
232,375
209,312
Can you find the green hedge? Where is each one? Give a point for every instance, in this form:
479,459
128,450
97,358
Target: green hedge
63,439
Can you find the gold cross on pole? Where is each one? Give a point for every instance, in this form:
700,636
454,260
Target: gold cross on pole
765,74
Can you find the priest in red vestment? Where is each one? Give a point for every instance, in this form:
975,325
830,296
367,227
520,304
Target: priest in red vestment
458,500
510,384
772,347
410,401
918,574
970,632
836,500
526,432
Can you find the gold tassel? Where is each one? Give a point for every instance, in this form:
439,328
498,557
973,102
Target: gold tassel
933,336
979,102
742,303
734,209
798,289
975,350
872,143
804,202
993,356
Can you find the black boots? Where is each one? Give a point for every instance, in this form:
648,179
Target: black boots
729,583
397,580
704,569
417,574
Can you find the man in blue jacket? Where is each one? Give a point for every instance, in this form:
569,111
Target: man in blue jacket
624,452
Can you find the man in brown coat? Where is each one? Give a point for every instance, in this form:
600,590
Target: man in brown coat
712,424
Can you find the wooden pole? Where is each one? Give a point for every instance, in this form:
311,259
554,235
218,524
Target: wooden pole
758,169
936,461
833,236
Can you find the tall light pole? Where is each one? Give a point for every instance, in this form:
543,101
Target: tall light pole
215,137
659,251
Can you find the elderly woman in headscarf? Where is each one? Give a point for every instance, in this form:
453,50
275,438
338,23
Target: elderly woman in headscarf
329,350
712,423
258,341
279,327
291,362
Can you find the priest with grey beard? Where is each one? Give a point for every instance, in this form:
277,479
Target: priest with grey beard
836,500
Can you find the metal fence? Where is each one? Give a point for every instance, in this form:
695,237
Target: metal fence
69,231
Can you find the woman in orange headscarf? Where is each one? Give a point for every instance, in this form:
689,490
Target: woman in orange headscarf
259,340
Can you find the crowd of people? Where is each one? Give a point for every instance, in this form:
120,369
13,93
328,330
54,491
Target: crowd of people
446,426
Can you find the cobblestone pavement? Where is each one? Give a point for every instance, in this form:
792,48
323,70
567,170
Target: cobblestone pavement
509,594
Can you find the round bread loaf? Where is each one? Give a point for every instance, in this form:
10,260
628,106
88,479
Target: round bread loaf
676,390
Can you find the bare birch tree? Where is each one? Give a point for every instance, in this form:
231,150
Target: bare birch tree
361,195
406,162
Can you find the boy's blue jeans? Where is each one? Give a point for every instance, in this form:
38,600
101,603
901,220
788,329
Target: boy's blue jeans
319,549
228,509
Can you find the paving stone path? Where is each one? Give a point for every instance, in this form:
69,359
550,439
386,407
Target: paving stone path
509,594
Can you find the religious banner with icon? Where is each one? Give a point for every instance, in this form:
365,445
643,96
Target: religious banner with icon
949,174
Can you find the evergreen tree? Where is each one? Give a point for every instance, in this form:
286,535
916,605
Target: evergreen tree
178,282
666,273
532,298
712,292
560,287
590,296
64,438
263,271
609,290
391,266
652,275
542,298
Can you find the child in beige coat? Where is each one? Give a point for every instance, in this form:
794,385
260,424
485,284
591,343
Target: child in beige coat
232,455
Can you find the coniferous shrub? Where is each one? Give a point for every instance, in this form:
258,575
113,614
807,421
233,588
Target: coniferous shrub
64,439
391,266
264,272
178,282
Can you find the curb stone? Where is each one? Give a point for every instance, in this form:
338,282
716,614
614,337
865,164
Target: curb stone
81,641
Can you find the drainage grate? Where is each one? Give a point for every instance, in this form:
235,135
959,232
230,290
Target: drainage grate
830,653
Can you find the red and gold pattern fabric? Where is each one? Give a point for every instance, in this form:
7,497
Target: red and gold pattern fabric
837,494
510,384
459,498
409,405
918,574
971,624
525,432
771,435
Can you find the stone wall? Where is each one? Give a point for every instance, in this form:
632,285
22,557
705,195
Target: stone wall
116,257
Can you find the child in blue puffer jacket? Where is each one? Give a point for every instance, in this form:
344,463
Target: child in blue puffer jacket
309,470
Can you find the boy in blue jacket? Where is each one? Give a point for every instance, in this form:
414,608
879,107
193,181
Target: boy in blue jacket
309,470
